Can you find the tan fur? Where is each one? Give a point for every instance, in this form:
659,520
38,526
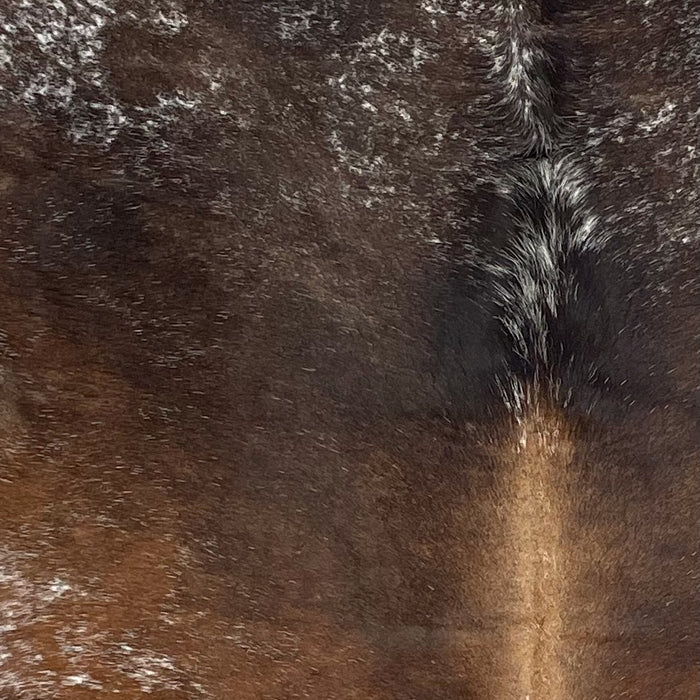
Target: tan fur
534,525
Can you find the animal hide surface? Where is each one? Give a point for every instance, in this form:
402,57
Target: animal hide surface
348,349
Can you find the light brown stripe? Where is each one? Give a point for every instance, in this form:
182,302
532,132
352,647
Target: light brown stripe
535,510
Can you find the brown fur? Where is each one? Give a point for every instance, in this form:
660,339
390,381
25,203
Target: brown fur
232,462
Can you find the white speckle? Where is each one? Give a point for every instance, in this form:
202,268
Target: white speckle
171,20
294,23
364,82
83,679
663,116
151,671
433,7
175,101
403,113
69,38
59,587
27,600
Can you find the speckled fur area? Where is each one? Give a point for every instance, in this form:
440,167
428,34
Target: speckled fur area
348,349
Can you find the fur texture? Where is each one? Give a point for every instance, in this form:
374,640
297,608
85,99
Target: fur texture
348,350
